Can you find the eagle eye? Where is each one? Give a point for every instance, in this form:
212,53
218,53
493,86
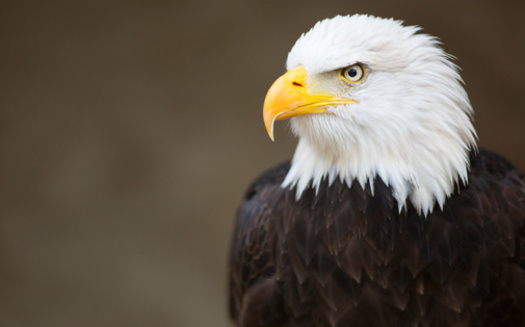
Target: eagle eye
354,73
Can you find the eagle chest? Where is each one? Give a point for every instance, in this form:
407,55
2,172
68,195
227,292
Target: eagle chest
348,255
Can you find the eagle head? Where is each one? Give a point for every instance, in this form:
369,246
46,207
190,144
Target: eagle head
370,98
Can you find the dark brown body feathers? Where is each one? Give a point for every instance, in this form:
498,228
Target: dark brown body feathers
345,257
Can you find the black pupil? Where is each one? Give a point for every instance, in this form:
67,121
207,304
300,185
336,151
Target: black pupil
352,72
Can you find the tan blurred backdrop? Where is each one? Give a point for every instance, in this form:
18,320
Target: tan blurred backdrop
130,129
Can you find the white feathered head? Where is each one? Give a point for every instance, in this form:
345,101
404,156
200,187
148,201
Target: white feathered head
369,98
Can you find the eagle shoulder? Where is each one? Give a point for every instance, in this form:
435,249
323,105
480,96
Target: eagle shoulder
252,253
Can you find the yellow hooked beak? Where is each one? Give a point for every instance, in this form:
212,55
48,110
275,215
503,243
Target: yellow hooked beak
288,97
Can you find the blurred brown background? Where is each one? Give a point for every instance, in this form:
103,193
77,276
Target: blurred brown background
130,129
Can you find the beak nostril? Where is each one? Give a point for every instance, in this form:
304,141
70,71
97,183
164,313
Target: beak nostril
297,84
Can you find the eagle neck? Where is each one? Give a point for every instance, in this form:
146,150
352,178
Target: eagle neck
417,175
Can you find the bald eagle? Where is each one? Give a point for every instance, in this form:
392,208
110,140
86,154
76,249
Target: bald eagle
388,214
